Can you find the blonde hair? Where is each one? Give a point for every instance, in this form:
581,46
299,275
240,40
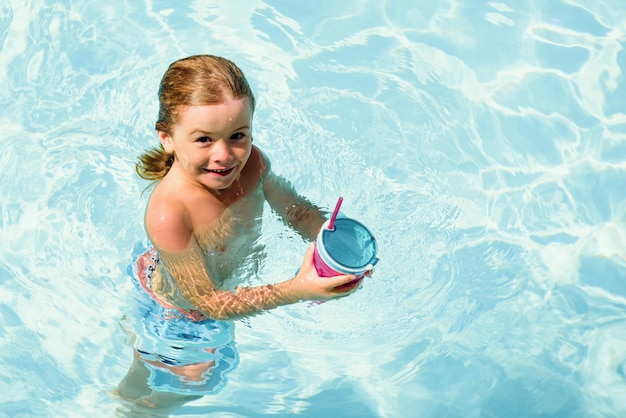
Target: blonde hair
192,81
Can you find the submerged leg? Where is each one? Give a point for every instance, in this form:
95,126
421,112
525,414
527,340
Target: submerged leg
135,384
144,401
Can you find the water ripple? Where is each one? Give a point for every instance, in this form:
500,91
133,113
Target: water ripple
483,143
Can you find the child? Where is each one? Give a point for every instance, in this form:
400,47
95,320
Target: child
204,212
203,218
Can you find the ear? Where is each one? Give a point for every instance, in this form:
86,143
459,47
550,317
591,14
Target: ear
166,141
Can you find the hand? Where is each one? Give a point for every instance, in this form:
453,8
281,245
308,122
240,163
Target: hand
308,285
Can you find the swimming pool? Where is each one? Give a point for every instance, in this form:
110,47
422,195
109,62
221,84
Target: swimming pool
484,143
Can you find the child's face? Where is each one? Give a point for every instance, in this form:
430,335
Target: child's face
212,143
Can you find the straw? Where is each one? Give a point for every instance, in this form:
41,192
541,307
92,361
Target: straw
331,224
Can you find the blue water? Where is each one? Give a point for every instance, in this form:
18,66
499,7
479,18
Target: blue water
484,143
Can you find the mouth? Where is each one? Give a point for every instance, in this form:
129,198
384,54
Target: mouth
221,172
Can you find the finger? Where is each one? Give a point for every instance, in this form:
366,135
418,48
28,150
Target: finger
337,281
308,255
347,288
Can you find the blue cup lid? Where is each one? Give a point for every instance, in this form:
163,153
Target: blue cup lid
350,244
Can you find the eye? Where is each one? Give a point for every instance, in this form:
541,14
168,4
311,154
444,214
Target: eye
204,140
238,136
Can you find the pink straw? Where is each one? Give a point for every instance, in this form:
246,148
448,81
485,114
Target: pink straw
331,224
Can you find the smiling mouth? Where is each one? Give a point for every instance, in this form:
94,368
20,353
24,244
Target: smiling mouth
221,172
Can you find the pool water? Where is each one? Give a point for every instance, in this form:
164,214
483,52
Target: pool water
483,143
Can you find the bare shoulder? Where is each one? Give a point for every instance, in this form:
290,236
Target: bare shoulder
168,222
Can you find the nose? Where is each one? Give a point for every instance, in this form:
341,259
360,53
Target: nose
222,151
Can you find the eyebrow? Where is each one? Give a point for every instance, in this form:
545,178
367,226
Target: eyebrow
200,131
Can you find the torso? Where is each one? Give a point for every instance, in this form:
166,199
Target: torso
226,227
232,238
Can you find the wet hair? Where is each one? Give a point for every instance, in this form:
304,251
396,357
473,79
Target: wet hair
193,81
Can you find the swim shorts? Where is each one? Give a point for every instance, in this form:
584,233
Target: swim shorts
185,352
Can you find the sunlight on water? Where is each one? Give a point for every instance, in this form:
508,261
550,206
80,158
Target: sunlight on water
483,144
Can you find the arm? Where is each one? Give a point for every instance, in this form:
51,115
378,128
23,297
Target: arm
171,232
295,210
197,288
